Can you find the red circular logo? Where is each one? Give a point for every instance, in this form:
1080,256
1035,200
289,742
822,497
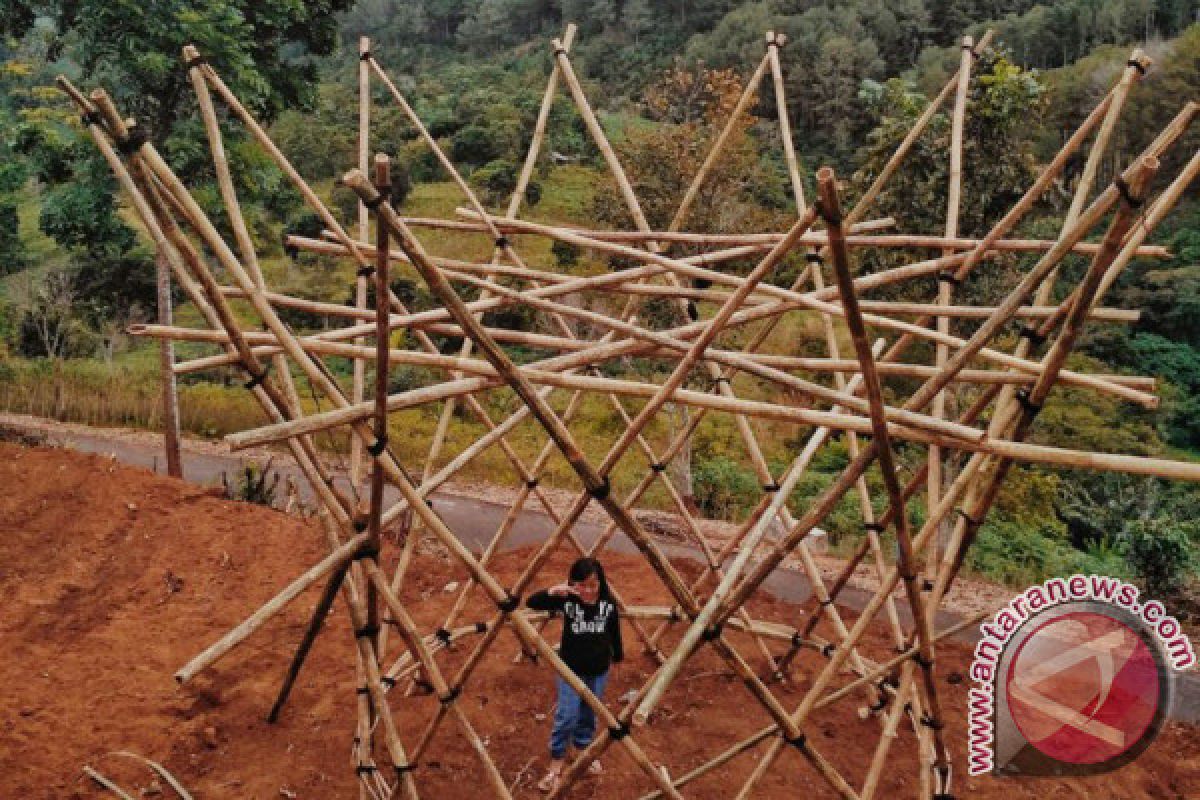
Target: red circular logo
1083,688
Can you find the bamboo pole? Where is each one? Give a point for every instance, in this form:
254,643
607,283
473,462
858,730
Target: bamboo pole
358,375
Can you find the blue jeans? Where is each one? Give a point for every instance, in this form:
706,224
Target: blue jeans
574,720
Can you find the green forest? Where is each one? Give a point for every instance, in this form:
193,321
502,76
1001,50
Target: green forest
75,273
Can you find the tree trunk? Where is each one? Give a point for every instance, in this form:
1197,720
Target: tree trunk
166,355
680,473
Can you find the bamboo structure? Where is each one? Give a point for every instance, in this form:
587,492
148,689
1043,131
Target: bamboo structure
721,357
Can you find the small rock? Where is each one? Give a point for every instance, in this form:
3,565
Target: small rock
450,587
131,506
153,790
628,697
540,717
286,792
209,737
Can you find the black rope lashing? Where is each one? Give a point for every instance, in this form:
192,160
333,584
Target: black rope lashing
481,627
828,649
365,56
1035,337
195,61
658,466
403,768
365,769
828,601
1027,403
800,741
378,446
946,276
442,635
880,704
873,526
532,483
502,242
366,631
927,585
133,142
797,640
814,258
931,723
423,685
375,201
970,48
675,614
388,681
560,51
1139,66
712,632
450,696
618,731
770,488
693,312
602,491
89,118
256,380
362,690
1127,193
921,661
360,525
970,520
509,603
365,271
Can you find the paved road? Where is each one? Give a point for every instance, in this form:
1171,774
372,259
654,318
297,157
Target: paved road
474,521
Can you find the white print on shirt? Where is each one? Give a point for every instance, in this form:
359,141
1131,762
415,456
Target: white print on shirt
575,614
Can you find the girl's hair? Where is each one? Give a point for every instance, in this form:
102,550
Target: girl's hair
585,568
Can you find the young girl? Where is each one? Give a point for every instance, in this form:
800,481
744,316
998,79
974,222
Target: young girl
591,642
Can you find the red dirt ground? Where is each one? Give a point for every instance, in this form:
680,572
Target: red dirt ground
113,578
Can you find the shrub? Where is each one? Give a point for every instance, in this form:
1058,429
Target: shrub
724,489
1159,552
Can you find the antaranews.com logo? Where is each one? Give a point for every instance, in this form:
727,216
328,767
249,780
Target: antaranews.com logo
1073,677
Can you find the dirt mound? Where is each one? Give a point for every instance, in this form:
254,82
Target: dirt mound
113,577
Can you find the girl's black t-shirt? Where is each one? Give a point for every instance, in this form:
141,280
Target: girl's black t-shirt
591,638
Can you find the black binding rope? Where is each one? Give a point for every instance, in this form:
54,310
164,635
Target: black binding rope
921,661
828,649
931,723
770,488
442,635
388,681
532,483
800,742
195,61
1127,193
971,520
797,640
481,627
365,56
880,704
693,312
814,258
375,201
256,380
1031,333
828,601
360,525
618,731
710,633
366,631
658,466
946,276
362,690
378,447
1139,66
365,271
927,585
450,696
873,526
365,769
403,768
502,242
133,142
1027,403
89,118
509,603
601,491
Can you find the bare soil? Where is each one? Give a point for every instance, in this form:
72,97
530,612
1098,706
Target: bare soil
113,577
